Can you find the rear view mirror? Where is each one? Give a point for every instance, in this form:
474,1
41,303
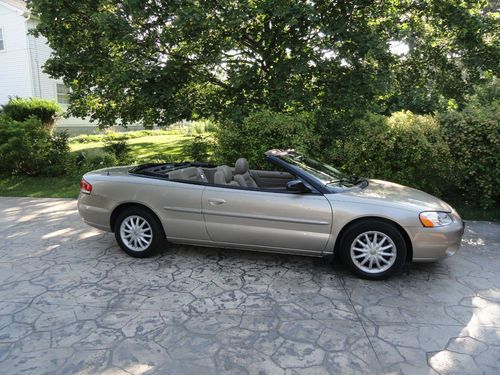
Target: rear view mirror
297,186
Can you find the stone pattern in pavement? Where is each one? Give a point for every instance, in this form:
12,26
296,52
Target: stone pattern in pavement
72,302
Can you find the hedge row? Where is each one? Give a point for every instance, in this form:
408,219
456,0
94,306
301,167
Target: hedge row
454,155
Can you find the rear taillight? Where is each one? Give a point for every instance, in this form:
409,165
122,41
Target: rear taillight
85,186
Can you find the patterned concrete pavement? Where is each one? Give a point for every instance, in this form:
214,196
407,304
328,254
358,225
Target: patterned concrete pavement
72,302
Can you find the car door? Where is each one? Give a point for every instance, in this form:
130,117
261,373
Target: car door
258,219
178,205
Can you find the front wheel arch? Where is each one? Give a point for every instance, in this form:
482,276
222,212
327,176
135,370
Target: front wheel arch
346,227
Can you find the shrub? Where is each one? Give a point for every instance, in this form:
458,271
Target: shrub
92,162
404,148
193,128
473,135
57,155
116,146
262,131
26,147
21,109
89,138
200,148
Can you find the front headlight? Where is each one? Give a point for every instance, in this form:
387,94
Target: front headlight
435,219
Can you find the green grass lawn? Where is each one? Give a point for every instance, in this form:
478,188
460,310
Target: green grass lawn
40,187
142,149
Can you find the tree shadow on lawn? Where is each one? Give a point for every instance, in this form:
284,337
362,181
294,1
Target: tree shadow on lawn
145,151
153,151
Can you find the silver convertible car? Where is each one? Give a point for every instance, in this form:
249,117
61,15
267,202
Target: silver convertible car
299,206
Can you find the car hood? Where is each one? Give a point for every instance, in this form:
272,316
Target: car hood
385,192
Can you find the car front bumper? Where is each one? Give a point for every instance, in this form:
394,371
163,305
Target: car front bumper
431,244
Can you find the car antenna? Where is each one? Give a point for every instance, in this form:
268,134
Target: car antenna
105,162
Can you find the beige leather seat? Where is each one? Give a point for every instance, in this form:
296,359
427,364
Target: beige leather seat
242,175
189,174
224,176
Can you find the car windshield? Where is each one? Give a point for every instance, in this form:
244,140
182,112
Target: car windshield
324,173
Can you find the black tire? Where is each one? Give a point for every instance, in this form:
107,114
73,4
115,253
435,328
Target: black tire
372,228
158,239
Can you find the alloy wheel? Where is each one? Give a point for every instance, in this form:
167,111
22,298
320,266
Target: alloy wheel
373,252
136,233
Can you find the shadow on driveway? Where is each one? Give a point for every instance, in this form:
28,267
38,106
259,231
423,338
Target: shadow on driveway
72,302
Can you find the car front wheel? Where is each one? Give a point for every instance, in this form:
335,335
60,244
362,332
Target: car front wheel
139,233
373,250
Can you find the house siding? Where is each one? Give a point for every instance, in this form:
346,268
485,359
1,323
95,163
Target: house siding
21,66
15,70
39,52
44,85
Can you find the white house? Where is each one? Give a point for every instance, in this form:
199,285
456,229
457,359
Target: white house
21,59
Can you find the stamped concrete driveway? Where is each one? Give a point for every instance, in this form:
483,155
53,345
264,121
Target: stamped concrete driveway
72,302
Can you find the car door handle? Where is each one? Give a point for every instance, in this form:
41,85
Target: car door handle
216,202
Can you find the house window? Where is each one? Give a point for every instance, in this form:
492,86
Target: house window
62,93
2,44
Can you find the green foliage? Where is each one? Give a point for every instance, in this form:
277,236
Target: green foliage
181,128
200,148
473,135
28,148
262,131
227,59
21,109
91,162
117,147
200,127
90,138
192,128
451,44
57,155
404,148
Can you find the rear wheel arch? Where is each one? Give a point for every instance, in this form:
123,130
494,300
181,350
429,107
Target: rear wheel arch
125,206
346,227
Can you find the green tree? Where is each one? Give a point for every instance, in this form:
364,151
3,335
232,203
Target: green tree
452,44
159,61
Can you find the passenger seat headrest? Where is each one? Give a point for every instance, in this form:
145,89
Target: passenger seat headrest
241,166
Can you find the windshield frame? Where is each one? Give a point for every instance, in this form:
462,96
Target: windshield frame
324,186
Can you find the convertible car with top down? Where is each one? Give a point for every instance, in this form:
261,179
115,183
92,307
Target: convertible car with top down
300,206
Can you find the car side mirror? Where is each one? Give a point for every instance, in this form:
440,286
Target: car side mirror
297,186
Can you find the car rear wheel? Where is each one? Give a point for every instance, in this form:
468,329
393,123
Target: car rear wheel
139,233
373,249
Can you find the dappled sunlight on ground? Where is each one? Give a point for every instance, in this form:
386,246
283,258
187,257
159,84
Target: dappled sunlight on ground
474,242
472,342
72,302
58,233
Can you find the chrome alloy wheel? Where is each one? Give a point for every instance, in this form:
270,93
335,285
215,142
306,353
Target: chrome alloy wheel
373,252
136,233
